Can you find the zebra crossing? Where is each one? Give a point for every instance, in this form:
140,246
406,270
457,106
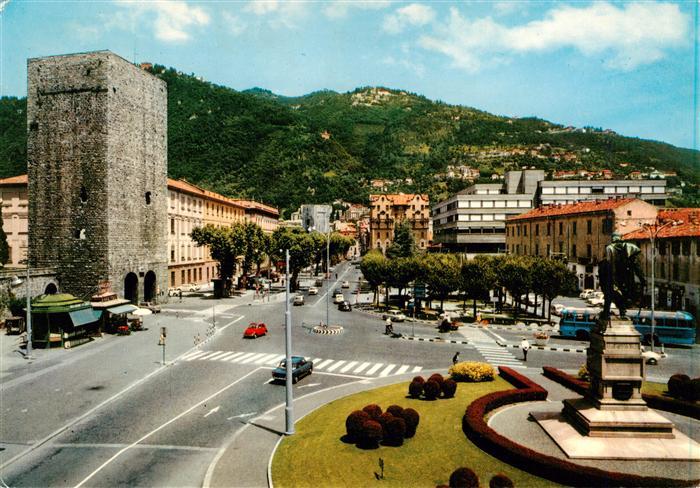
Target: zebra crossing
496,356
337,366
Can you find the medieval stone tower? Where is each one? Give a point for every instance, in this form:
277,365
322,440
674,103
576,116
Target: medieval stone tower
97,166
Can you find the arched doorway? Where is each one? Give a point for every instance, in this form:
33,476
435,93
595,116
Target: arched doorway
149,287
131,287
50,289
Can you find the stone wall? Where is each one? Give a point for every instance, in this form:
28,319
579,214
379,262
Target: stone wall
97,164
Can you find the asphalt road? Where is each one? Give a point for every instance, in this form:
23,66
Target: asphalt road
110,414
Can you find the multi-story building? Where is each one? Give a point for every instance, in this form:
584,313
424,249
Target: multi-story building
266,216
677,260
13,195
576,233
571,191
474,220
354,213
388,210
316,217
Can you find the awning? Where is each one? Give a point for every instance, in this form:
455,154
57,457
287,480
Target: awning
126,308
84,316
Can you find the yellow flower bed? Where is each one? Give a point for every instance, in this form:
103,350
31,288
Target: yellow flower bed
472,371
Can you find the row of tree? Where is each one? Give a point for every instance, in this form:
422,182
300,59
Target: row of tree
247,245
445,274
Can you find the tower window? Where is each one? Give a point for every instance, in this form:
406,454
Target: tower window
83,195
148,198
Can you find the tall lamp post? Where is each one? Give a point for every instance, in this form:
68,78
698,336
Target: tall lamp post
328,271
15,282
289,408
653,232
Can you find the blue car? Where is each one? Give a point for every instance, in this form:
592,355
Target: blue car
300,368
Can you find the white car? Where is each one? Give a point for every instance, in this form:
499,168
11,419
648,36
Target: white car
346,284
596,298
190,287
394,315
587,293
313,290
338,298
298,300
557,308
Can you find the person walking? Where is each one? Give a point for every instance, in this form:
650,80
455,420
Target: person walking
525,346
389,329
455,358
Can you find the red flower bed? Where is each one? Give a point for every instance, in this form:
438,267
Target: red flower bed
548,467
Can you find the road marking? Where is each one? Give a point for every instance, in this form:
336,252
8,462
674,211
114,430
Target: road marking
252,358
324,364
361,367
241,358
336,366
162,426
235,356
351,364
217,356
402,369
143,446
387,370
241,416
213,410
276,359
266,358
191,357
226,356
309,385
268,381
417,369
209,354
316,360
374,368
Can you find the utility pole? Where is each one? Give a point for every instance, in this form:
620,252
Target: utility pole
289,408
328,270
28,355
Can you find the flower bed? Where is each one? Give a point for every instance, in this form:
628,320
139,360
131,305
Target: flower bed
549,467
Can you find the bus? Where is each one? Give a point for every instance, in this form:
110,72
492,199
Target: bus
671,327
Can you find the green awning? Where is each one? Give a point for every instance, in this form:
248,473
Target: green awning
126,308
84,316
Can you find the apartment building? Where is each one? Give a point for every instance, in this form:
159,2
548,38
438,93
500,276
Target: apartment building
316,217
677,260
577,233
571,191
13,195
266,216
388,210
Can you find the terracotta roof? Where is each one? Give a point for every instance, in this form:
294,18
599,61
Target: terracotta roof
187,187
399,198
251,204
690,226
14,180
589,206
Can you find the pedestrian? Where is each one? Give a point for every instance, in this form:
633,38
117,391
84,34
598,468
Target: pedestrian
389,327
179,292
525,346
455,358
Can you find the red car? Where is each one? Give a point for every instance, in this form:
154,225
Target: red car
255,330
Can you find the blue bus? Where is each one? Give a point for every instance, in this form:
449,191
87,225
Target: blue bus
671,327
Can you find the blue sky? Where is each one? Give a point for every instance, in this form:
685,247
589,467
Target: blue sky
627,66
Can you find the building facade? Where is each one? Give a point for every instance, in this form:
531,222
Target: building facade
576,233
266,216
15,218
572,191
677,260
97,166
316,217
388,210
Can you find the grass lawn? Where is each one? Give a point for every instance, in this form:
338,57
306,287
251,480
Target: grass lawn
654,388
316,457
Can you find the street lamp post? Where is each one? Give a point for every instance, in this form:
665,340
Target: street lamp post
289,409
328,272
28,354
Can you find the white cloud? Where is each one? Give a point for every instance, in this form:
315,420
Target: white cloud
415,14
278,14
234,24
627,36
262,7
173,18
340,9
3,4
416,68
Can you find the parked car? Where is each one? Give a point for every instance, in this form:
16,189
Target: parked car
346,284
150,306
173,292
190,287
319,282
338,298
556,309
298,300
255,330
596,298
394,315
344,306
585,294
313,290
300,367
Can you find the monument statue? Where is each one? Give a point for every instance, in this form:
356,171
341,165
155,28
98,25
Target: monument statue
617,277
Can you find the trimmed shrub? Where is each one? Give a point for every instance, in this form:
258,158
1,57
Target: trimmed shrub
373,410
372,433
583,373
472,371
354,422
384,419
449,387
415,389
412,419
464,478
691,390
395,410
437,377
431,390
676,384
501,481
418,379
395,431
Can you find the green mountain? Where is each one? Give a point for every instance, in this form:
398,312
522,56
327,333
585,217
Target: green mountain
327,145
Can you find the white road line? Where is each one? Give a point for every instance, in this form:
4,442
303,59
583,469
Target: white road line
417,369
217,356
402,369
493,355
162,426
361,367
190,354
276,359
316,360
241,358
351,364
336,366
374,368
254,357
265,358
194,356
387,370
324,364
225,357
208,355
235,356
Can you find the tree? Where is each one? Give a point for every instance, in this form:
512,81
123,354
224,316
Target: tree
257,246
4,247
556,279
477,278
441,272
301,250
226,245
399,273
373,267
404,245
516,278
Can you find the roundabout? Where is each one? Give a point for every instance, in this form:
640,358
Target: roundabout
327,329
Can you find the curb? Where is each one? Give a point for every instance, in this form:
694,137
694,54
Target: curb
429,339
544,348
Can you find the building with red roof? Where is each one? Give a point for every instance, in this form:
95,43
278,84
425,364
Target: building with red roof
388,210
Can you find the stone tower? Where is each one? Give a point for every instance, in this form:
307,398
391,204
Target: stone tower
97,166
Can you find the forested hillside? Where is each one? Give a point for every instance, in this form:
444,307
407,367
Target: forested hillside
325,145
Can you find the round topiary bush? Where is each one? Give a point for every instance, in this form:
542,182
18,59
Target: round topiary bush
691,390
415,389
448,387
353,424
418,379
464,478
437,377
384,419
373,410
676,384
372,433
473,371
395,410
431,390
501,481
395,431
412,419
